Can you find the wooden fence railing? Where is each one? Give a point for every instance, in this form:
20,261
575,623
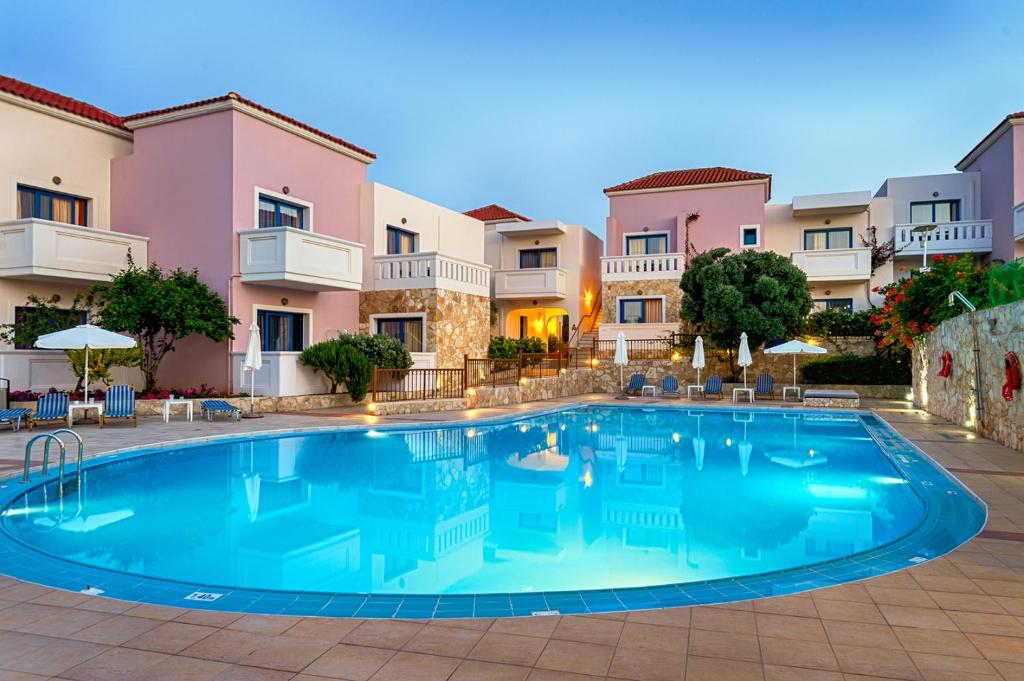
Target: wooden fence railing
645,348
399,385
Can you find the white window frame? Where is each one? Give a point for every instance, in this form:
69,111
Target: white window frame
618,307
64,187
666,232
402,315
307,329
558,255
757,230
307,206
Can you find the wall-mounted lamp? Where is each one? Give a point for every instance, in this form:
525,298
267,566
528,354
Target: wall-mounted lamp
56,179
286,189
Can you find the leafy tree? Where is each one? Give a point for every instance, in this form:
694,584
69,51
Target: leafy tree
760,293
101,362
382,351
359,373
160,308
340,362
830,323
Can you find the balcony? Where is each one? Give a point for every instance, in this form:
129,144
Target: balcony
642,267
1018,222
295,258
542,282
967,236
42,250
835,264
430,270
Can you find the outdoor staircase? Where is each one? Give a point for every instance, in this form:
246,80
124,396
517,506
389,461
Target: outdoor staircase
587,339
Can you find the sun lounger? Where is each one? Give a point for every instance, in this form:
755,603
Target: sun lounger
670,386
50,407
119,403
13,417
211,407
635,385
765,386
713,387
831,398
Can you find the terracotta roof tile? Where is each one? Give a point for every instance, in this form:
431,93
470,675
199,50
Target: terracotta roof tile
494,212
259,107
58,101
692,176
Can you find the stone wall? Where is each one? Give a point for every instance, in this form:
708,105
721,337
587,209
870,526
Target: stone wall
456,323
611,290
266,405
998,330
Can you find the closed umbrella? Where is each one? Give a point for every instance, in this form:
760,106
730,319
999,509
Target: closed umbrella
253,362
745,359
84,336
698,356
621,354
795,347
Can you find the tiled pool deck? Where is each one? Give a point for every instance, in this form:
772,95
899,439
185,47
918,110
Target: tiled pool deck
959,617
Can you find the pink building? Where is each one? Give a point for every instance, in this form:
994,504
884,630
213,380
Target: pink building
267,209
653,222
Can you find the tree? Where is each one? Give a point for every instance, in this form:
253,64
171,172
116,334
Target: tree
160,308
761,293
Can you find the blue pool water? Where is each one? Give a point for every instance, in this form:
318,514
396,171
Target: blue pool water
588,498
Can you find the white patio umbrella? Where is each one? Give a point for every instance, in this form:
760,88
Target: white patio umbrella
84,337
253,361
698,357
795,347
621,354
745,359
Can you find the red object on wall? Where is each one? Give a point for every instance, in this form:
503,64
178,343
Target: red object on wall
947,365
1012,365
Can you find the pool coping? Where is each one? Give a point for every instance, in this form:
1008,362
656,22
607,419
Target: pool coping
946,498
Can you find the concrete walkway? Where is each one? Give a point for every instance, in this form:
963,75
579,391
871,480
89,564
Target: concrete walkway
958,618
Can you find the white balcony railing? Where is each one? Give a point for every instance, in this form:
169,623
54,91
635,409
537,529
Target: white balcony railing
296,258
967,236
45,250
835,264
1018,222
430,270
636,267
543,282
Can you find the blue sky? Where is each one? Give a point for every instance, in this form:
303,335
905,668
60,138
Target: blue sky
538,106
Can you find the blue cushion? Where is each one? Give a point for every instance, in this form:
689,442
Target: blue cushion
636,382
765,384
713,386
51,406
669,384
119,402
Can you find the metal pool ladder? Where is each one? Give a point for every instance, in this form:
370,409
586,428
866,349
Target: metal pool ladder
50,438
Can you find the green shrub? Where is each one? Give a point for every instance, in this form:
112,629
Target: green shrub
830,323
532,345
382,351
1006,282
885,369
359,372
325,358
502,347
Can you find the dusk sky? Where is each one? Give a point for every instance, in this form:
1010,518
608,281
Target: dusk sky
538,106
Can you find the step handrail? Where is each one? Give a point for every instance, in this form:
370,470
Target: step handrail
81,450
577,333
28,453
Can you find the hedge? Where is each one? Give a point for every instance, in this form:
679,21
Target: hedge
887,369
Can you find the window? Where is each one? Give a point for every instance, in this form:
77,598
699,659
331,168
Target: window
401,241
524,326
37,318
409,330
750,236
842,304
39,203
824,239
533,258
277,213
641,311
935,211
648,244
281,331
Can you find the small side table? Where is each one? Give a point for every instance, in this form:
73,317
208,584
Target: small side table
691,388
749,392
653,390
84,407
172,403
786,389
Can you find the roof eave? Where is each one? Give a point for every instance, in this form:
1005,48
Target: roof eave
57,112
987,141
766,181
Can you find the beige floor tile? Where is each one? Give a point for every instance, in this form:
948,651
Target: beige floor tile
1014,606
475,670
588,630
480,623
64,623
917,598
232,673
208,618
113,664
672,617
225,645
1005,648
170,637
724,644
717,619
855,593
924,618
270,625
810,654
654,637
116,629
984,623
448,642
286,653
968,602
894,664
352,663
638,664
787,626
716,669
551,675
861,634
508,649
383,633
330,629
55,657
541,627
416,667
573,656
938,642
24,614
937,662
849,611
773,672
155,612
797,606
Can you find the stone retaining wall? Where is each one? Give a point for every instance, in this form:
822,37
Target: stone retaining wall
266,405
998,330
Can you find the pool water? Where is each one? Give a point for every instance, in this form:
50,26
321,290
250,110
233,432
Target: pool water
585,498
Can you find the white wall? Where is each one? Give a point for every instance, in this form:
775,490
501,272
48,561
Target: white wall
903,190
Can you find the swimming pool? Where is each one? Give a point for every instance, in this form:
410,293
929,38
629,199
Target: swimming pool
572,510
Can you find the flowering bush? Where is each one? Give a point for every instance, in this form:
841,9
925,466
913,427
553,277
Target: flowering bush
915,305
24,396
187,393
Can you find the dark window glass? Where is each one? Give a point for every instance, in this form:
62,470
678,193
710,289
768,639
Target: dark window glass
651,244
750,236
277,213
281,331
46,205
401,241
825,239
844,304
641,311
935,211
409,330
538,257
47,321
